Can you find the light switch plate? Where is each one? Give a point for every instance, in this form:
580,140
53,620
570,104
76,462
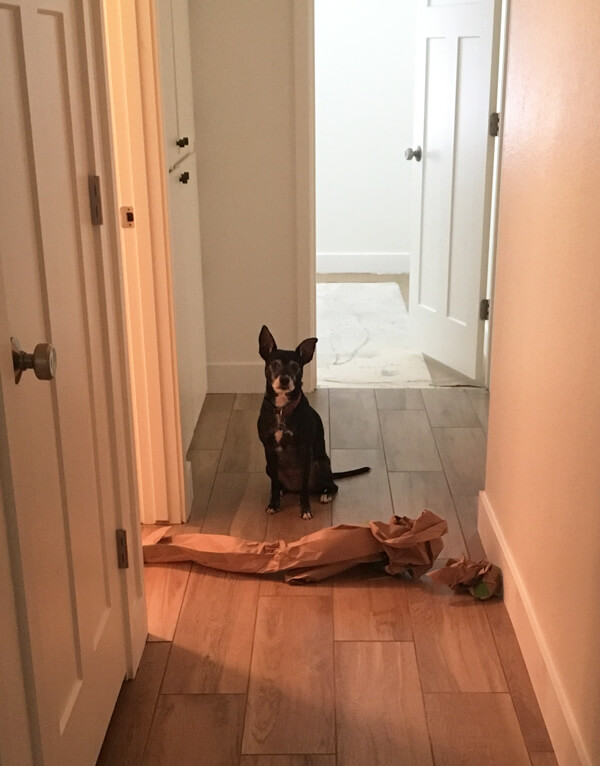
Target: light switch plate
127,217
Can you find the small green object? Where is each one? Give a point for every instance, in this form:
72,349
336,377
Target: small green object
481,591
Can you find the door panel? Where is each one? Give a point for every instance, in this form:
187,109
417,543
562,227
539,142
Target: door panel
164,32
457,46
63,484
172,23
184,225
186,266
183,72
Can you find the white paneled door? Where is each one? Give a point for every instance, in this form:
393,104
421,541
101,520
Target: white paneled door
457,62
59,467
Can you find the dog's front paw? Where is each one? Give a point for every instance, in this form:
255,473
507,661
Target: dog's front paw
272,509
306,513
326,497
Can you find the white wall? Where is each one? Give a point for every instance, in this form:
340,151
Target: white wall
245,60
243,73
364,72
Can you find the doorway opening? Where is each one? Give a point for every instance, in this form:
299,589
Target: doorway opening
371,217
364,83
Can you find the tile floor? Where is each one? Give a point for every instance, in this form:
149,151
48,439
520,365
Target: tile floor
364,669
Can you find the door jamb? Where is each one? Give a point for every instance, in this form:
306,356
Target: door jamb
140,166
496,177
304,109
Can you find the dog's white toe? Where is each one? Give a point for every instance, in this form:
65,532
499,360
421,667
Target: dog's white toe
306,515
326,498
272,510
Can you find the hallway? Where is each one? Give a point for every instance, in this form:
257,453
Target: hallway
363,669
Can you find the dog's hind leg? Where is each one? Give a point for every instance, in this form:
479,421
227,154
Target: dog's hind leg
324,483
328,493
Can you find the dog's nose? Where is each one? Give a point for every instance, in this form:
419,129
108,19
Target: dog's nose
284,381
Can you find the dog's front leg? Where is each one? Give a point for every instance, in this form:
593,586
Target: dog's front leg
305,510
273,473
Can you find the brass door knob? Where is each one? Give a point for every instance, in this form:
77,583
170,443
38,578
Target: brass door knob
42,361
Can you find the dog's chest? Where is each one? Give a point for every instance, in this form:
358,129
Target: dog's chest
282,432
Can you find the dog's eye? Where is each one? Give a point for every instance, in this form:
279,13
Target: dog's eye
294,368
275,366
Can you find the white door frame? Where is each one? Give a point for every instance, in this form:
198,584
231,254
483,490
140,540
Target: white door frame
141,182
304,121
304,82
495,196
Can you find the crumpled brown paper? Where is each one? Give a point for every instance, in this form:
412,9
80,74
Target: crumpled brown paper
403,545
479,578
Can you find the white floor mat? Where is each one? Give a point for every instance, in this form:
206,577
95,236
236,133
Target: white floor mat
363,338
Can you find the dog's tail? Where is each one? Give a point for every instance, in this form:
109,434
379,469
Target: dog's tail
353,472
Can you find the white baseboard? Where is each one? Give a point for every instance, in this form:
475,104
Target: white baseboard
569,747
236,378
189,488
363,263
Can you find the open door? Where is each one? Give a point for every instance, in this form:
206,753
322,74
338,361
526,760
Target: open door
66,458
452,154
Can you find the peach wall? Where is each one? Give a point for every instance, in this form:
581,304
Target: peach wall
543,472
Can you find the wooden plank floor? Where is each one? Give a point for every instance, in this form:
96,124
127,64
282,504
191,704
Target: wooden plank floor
364,669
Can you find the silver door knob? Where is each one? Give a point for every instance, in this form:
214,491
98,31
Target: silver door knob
42,361
416,153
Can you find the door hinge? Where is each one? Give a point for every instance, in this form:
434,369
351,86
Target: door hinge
494,124
95,200
122,552
484,309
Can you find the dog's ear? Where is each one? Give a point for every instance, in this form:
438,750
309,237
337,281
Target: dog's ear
306,349
266,343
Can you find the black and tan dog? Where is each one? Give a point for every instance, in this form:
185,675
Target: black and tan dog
292,431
